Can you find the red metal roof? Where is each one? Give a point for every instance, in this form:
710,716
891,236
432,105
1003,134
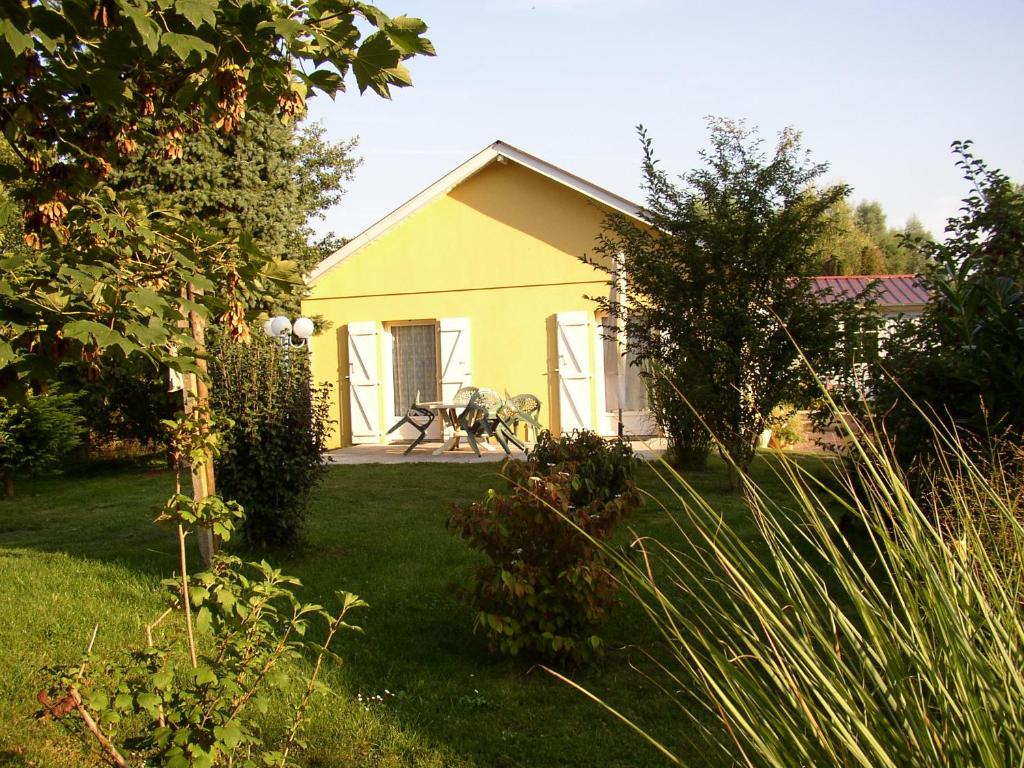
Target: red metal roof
890,290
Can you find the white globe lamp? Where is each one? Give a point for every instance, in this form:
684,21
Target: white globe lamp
280,325
303,328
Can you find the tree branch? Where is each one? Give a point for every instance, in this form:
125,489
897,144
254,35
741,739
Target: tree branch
106,744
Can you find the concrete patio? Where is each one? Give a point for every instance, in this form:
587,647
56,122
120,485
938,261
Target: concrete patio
392,454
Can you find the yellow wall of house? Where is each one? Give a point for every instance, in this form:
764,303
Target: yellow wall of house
501,249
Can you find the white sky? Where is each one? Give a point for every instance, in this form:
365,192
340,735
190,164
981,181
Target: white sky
879,89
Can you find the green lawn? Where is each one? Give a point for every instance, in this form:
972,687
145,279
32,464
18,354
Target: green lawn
81,550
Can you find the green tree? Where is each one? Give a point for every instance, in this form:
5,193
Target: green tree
267,178
858,241
89,86
901,253
962,361
844,247
915,244
36,434
871,220
719,275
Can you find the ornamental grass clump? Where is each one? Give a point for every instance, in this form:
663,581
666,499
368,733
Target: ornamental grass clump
548,586
808,645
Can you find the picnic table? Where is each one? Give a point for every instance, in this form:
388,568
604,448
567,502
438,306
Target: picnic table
449,413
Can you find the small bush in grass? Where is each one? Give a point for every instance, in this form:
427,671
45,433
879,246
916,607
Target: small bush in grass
548,586
899,648
124,405
786,425
600,470
273,459
36,434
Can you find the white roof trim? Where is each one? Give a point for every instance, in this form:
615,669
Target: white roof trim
448,182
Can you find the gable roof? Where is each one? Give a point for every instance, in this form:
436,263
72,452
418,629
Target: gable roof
891,290
496,152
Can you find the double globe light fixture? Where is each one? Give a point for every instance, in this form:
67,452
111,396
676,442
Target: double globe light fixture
287,333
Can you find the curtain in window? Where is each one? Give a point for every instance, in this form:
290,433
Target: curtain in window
415,364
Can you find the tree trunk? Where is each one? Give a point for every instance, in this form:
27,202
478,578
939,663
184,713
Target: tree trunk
194,395
8,485
738,455
197,394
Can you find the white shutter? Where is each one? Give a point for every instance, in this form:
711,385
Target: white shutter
574,371
606,377
363,382
455,360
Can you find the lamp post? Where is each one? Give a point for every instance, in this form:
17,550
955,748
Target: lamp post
289,334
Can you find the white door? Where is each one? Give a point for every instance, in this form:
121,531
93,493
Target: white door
574,371
363,381
455,358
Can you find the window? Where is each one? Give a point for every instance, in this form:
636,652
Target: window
414,358
635,390
623,382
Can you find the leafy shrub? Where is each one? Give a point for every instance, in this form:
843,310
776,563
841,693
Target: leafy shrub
600,470
962,362
126,401
273,460
36,434
206,715
813,647
689,441
548,586
786,425
245,637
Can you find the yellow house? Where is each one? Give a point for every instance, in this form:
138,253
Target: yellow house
476,280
